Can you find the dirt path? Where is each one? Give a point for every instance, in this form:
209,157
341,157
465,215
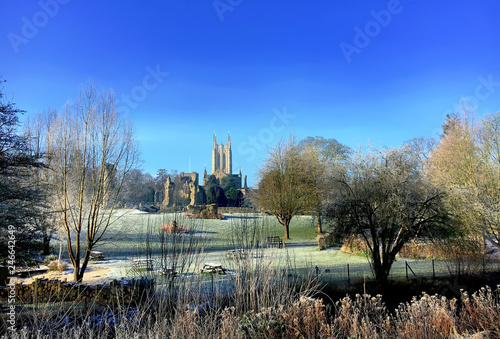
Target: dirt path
92,276
107,270
97,272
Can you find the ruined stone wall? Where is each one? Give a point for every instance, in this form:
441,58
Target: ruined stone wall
193,176
169,193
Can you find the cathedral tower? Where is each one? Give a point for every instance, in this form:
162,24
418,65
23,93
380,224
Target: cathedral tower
222,157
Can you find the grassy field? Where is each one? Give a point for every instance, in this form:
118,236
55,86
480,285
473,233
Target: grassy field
133,229
127,236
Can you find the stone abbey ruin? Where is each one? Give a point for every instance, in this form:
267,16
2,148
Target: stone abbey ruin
185,190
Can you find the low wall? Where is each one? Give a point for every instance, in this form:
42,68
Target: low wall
45,290
230,210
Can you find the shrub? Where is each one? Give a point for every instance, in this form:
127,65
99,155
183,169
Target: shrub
49,258
298,317
56,265
364,317
482,311
415,250
355,245
352,244
302,318
326,240
426,317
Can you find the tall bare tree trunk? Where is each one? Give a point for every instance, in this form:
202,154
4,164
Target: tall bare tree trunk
320,229
93,150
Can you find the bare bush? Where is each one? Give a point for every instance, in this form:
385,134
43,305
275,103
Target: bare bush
426,317
364,317
481,311
56,265
300,317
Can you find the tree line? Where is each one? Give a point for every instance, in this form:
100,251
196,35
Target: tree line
441,192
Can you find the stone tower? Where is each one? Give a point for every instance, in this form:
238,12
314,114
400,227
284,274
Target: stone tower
222,157
169,193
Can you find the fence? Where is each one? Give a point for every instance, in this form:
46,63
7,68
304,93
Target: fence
402,268
231,210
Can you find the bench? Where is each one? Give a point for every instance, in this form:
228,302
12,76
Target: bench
143,263
275,241
236,254
96,255
153,264
213,268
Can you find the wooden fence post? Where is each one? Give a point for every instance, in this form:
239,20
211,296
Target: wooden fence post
35,292
433,271
348,275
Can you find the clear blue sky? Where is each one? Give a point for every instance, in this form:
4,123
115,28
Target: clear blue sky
361,72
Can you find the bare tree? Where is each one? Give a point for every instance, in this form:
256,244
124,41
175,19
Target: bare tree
137,188
92,150
384,198
325,154
288,184
36,131
490,198
466,163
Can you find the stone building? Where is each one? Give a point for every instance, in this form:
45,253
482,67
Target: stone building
185,190
169,193
222,162
222,157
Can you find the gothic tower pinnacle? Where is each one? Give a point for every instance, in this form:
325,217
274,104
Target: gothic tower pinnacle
222,156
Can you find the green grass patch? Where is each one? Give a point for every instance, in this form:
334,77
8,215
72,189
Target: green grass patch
330,256
129,233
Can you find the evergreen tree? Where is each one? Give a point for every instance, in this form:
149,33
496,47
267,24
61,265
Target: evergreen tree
230,191
18,197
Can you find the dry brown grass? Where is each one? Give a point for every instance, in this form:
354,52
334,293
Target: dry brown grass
481,311
364,317
473,316
426,317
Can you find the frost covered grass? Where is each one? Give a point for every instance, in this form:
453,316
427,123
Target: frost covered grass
125,237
